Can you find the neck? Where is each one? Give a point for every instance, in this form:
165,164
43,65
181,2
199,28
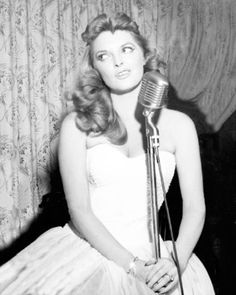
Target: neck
125,104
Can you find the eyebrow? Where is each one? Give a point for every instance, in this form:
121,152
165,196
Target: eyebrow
106,50
100,51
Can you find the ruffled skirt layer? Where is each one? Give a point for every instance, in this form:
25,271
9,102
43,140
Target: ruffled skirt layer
60,262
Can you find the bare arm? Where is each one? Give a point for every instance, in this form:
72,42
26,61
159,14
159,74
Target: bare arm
72,162
191,185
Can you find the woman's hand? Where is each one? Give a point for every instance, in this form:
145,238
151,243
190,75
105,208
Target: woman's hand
141,270
161,276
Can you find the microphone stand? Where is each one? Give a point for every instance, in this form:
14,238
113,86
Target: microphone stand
153,143
152,135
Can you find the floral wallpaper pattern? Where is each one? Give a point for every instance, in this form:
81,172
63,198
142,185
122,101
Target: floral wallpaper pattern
40,50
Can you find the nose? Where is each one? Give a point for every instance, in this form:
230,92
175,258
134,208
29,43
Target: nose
117,60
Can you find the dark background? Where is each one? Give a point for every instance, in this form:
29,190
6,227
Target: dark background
217,245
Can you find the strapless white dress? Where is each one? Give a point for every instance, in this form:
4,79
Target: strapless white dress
60,262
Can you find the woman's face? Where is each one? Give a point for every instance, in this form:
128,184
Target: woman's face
119,60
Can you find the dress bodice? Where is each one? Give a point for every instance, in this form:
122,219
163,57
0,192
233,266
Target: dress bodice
119,190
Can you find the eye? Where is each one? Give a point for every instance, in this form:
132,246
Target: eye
102,56
128,49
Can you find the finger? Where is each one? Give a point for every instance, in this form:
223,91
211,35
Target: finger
155,275
160,279
160,284
150,262
158,270
163,282
166,288
159,264
172,282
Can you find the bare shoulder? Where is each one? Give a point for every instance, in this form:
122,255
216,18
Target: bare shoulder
176,116
69,121
69,132
177,121
69,124
175,128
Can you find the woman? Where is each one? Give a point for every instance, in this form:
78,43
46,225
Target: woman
107,248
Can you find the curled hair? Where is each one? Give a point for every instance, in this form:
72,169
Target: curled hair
91,98
95,113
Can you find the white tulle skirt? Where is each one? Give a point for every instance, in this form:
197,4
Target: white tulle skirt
60,262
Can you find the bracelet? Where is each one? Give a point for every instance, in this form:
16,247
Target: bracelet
132,266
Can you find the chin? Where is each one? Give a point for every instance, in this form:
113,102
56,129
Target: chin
126,88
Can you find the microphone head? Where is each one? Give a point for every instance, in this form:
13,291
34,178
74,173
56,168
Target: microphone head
153,92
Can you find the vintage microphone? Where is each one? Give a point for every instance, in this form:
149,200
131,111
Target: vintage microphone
153,92
153,97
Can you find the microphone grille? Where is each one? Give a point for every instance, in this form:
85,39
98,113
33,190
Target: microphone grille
153,92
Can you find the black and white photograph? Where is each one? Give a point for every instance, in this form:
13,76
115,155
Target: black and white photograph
117,147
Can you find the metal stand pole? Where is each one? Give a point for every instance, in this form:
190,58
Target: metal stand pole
152,134
153,143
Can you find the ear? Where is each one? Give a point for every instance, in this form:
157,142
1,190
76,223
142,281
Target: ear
144,61
146,58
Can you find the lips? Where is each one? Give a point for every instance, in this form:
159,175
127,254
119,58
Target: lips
122,74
